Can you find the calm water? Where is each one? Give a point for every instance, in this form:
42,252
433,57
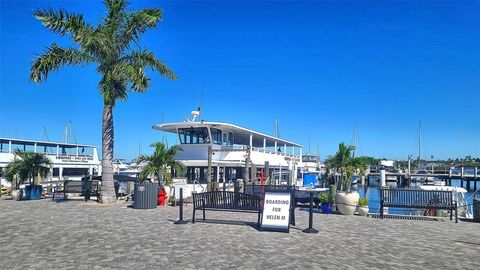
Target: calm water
373,194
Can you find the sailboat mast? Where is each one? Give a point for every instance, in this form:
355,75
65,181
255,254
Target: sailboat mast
419,140
309,145
354,140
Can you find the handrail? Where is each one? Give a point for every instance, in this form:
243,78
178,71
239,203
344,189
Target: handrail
196,181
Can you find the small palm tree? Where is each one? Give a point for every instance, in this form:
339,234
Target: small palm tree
158,163
114,46
27,166
347,165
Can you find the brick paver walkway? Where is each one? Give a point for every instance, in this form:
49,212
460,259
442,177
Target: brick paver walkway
74,235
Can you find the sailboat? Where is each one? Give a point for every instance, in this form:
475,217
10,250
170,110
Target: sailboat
355,178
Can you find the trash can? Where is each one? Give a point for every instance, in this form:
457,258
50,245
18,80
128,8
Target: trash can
145,195
33,192
476,209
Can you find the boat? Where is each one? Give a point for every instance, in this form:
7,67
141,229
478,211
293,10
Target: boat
458,195
233,150
121,167
423,177
311,170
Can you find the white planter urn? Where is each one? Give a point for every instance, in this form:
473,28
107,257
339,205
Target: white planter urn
16,194
363,210
347,202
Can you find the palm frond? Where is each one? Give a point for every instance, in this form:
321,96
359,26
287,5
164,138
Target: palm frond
136,24
133,75
145,58
61,21
55,57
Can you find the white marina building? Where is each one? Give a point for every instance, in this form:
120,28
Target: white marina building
69,161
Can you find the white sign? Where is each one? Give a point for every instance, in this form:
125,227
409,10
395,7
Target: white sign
276,211
178,180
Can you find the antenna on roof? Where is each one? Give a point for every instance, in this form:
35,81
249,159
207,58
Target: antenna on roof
200,104
277,129
197,113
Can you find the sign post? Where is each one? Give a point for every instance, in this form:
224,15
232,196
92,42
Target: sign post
276,211
310,228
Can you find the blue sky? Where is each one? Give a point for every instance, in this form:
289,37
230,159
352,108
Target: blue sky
318,67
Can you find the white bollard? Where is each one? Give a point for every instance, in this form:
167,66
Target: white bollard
382,178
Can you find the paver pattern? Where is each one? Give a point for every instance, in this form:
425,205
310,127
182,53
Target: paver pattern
75,235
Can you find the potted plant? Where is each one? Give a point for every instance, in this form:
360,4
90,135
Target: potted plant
27,167
346,165
326,202
362,206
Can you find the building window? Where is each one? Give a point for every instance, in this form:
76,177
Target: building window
216,135
193,135
75,172
230,138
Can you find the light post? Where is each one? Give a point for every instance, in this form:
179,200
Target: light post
409,160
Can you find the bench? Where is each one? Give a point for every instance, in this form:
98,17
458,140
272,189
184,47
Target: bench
420,199
86,188
226,201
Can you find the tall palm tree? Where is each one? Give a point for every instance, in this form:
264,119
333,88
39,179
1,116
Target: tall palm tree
113,46
28,166
157,164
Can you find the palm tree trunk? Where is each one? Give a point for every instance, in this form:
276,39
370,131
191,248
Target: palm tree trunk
108,189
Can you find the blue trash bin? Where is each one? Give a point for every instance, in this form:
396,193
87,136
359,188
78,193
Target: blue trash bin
33,192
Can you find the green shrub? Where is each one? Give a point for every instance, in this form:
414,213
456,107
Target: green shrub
363,201
325,197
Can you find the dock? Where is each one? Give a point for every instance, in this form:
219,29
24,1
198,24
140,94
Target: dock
467,180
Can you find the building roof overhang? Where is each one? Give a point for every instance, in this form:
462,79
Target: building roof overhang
44,143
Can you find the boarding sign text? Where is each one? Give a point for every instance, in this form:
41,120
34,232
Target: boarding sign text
276,211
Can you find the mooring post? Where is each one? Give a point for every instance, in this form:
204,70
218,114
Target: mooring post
180,220
310,228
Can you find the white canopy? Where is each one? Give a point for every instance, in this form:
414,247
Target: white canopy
241,135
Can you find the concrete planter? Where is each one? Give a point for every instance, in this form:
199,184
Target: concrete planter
16,194
362,210
347,202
